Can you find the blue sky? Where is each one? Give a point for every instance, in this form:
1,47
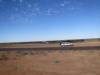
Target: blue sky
35,20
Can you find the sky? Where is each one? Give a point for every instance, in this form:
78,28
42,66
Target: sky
37,20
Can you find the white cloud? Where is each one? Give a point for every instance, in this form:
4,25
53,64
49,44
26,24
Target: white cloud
51,11
62,4
16,9
36,11
65,3
29,5
34,14
20,1
72,8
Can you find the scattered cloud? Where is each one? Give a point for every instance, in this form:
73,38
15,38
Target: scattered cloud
36,11
62,4
16,9
71,8
29,5
20,1
51,11
37,8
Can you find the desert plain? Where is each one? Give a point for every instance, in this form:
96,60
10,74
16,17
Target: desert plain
50,62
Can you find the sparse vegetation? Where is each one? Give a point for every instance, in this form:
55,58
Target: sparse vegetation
50,62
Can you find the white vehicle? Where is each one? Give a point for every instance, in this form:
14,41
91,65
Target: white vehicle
65,44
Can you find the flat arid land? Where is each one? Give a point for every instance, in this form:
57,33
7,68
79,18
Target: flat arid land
68,61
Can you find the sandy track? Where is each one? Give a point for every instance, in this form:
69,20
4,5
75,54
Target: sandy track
55,48
42,45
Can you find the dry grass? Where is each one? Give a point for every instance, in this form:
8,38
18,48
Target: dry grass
66,62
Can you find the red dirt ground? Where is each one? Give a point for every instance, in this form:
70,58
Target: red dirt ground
51,63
